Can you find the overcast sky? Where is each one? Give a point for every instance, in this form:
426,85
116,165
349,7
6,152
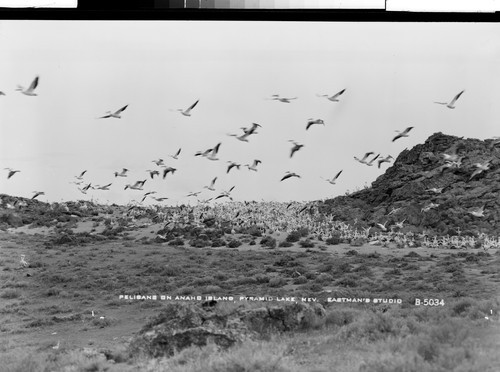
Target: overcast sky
392,73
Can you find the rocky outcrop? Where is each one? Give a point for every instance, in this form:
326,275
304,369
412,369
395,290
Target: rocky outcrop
181,325
408,182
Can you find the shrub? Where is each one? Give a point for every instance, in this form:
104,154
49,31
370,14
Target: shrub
217,242
234,243
306,243
300,280
176,242
285,244
277,282
293,237
268,241
334,240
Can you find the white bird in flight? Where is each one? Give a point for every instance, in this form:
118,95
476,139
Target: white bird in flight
187,112
211,187
276,97
176,156
332,181
451,105
254,165
289,175
402,134
115,114
364,159
314,121
334,98
123,173
31,88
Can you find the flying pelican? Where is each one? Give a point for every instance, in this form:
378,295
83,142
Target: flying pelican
80,177
243,137
364,160
187,112
296,147
136,186
203,153
252,129
167,170
333,98
159,199
176,154
11,172
314,121
402,134
289,175
211,187
153,173
115,114
37,193
231,165
477,212
87,187
452,103
29,91
123,173
276,97
370,163
146,195
2,93
105,187
193,194
158,162
254,165
213,154
387,159
225,194
481,167
332,181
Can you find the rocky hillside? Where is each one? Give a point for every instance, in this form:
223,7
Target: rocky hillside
441,171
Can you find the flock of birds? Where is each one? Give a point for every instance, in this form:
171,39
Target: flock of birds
451,160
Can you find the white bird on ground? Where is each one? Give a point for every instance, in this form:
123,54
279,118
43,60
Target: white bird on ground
314,121
394,210
23,261
429,206
400,224
332,181
187,112
451,105
481,167
477,212
31,88
115,114
436,190
333,98
253,167
402,134
383,226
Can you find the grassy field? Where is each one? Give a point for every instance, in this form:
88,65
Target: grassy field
63,312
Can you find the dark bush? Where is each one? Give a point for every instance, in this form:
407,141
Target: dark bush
285,244
306,243
268,241
334,240
176,241
234,243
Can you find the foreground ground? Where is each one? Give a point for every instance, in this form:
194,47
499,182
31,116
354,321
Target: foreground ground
65,306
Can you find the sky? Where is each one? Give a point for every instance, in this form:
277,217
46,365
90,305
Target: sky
391,72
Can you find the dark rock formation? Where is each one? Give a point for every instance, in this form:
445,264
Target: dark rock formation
407,182
181,325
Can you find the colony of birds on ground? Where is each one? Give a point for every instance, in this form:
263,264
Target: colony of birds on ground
326,229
